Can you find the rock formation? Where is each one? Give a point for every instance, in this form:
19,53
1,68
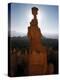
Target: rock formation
38,53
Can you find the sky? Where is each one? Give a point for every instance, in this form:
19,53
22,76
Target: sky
21,16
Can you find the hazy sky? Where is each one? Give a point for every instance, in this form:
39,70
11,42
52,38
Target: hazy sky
21,16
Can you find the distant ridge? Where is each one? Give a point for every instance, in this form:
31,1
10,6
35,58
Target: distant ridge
17,34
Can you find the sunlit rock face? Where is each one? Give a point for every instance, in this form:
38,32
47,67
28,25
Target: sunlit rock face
38,53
